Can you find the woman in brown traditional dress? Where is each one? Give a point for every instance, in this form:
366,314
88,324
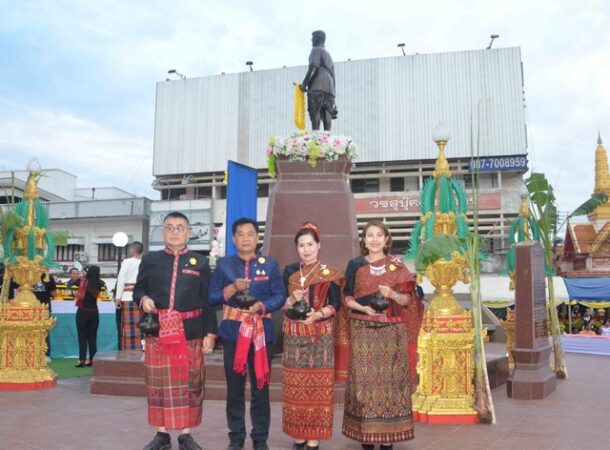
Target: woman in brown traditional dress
308,360
378,391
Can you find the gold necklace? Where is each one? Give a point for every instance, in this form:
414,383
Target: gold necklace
303,279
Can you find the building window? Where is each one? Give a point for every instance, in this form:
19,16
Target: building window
107,252
67,252
203,192
397,184
223,192
360,185
172,193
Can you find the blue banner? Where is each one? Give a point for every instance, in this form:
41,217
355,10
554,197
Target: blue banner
241,198
589,289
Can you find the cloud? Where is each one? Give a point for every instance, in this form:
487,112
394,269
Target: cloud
97,155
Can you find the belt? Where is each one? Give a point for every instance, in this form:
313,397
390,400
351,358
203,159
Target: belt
128,287
230,313
185,314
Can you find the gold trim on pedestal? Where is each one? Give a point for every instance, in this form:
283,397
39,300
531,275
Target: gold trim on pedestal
445,348
23,347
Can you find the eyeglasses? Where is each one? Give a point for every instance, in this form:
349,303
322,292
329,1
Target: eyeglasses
173,229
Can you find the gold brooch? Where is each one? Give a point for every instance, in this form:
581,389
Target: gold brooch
261,260
193,261
325,272
392,267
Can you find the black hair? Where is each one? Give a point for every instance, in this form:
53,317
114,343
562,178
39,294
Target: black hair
310,229
94,282
73,268
176,215
138,247
243,221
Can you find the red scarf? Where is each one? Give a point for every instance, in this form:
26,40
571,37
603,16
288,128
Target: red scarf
173,343
252,329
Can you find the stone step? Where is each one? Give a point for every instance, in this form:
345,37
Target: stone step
123,373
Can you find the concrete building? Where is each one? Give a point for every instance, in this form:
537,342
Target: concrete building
90,216
389,106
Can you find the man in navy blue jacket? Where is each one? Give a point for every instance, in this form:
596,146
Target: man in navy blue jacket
247,334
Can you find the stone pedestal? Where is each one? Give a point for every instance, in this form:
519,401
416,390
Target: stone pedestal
319,194
23,331
532,377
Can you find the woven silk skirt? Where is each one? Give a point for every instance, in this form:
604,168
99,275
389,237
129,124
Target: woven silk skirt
378,391
308,386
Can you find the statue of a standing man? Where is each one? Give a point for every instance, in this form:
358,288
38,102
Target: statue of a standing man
319,83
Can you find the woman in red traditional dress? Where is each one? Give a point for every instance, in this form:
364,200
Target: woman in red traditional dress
378,391
314,298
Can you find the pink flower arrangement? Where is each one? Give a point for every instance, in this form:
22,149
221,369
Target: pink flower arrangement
305,146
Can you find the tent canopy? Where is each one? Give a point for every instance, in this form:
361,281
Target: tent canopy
588,289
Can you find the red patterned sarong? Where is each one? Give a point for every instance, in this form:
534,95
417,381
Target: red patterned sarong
130,333
174,404
308,386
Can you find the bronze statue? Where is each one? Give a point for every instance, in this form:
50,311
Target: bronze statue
319,83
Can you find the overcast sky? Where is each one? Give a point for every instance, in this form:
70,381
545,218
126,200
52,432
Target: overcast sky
77,85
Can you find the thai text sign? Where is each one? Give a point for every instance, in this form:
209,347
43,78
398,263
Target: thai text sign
410,203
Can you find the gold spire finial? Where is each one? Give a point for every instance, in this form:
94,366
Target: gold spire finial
602,180
442,165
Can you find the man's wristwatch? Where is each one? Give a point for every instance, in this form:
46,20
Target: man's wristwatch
396,297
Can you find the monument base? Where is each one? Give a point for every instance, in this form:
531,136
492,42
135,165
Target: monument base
445,369
532,378
33,380
23,331
443,418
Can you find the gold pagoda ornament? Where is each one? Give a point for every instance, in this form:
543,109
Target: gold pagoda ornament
602,183
24,321
445,393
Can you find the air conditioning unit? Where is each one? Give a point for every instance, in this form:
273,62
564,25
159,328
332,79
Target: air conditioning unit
81,257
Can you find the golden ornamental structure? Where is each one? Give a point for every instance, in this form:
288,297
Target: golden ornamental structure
602,183
445,393
24,321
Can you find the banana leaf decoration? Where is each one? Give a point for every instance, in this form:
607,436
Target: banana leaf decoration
597,199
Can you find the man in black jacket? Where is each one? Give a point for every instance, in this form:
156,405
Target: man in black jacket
173,284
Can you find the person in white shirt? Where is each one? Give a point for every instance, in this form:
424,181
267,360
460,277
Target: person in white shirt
605,328
130,315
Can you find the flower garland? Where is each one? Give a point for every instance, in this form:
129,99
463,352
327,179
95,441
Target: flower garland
305,146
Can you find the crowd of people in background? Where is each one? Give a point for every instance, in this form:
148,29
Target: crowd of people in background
583,320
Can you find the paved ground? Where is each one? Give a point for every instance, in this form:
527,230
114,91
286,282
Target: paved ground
575,416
